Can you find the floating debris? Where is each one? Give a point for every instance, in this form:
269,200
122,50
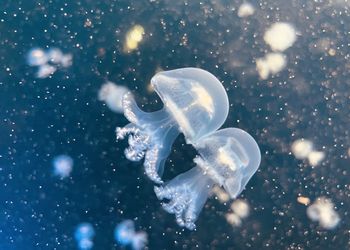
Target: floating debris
303,200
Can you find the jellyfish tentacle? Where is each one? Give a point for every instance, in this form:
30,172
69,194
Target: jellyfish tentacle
135,115
138,141
131,111
187,194
157,154
151,136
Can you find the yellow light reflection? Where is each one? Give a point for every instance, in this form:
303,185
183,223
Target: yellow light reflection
133,37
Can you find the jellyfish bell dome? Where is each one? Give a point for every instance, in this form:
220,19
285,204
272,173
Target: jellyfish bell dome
230,157
227,157
195,98
195,103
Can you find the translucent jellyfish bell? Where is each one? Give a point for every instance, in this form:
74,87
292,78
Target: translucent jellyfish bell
228,158
125,234
195,103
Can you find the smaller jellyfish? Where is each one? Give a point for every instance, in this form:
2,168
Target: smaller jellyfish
45,71
301,148
304,149
272,63
246,9
323,212
220,194
240,210
280,36
228,158
36,57
125,234
315,158
84,234
133,38
190,96
66,60
63,166
112,95
54,55
57,57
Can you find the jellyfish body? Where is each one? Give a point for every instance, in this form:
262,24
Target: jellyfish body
84,234
36,57
125,234
112,95
227,157
190,96
63,166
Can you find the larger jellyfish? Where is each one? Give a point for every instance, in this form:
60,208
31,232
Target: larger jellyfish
227,157
195,103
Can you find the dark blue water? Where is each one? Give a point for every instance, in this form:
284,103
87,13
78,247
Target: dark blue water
42,118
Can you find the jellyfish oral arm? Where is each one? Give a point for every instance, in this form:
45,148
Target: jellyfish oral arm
151,136
187,194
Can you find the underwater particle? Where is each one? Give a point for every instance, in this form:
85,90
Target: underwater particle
36,57
125,234
84,234
315,158
304,200
241,208
246,9
189,95
133,37
45,71
272,63
63,166
301,148
221,194
228,158
280,36
322,210
112,95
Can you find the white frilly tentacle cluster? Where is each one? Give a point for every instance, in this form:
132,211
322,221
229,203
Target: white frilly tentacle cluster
187,194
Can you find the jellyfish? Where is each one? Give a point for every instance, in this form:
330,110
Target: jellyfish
45,71
63,165
322,210
54,55
36,57
125,234
195,104
84,234
227,158
112,95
